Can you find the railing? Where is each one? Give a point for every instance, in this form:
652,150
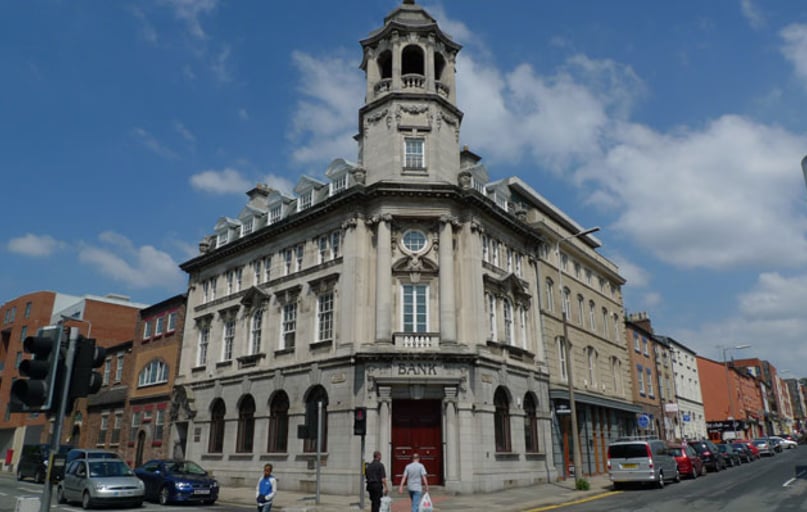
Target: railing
384,85
413,80
416,340
442,89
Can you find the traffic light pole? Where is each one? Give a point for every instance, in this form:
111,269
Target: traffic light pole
55,441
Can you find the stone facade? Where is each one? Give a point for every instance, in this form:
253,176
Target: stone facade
407,283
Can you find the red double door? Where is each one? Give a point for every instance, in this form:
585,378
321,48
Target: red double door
417,427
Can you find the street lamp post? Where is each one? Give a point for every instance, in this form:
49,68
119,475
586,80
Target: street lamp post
576,454
731,409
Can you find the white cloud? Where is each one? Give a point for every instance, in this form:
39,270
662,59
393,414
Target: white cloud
634,274
325,120
280,183
226,181
149,141
243,114
751,13
221,65
34,245
147,30
189,11
139,267
186,134
795,48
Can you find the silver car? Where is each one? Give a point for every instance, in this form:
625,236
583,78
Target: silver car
94,482
641,461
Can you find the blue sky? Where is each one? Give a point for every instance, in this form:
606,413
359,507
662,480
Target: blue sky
128,128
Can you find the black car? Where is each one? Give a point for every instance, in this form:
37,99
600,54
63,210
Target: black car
731,456
710,454
744,451
33,461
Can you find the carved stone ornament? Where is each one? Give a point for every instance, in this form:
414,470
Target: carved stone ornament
411,109
464,179
359,175
376,116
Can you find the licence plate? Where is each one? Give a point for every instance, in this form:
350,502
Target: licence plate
201,491
629,466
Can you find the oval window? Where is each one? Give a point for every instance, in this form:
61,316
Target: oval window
414,240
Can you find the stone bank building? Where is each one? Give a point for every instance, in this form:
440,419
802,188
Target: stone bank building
406,282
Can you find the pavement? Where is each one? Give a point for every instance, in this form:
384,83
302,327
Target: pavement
535,498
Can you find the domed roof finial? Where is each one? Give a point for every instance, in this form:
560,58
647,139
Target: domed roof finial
410,2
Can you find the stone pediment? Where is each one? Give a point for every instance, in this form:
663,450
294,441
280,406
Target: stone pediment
253,297
415,264
510,285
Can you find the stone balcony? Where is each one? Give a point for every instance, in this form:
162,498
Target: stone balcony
416,341
410,82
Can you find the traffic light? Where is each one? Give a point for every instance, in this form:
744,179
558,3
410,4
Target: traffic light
360,421
38,393
85,380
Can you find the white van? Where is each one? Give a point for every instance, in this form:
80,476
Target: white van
642,461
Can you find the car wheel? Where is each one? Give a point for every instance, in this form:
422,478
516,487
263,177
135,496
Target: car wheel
616,486
677,477
39,477
208,502
164,496
695,472
660,482
86,503
19,474
138,504
60,495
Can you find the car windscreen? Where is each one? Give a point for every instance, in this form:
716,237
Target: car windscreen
185,468
627,451
109,469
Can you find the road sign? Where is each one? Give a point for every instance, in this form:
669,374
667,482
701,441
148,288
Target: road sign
643,421
685,418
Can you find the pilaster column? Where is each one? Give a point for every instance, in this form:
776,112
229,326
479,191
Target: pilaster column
452,435
397,83
448,308
383,280
384,423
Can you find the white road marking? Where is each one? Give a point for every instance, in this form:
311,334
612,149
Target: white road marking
788,482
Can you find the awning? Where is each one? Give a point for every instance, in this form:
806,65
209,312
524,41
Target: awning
563,394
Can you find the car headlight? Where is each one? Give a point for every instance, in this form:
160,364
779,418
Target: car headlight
100,487
214,484
182,485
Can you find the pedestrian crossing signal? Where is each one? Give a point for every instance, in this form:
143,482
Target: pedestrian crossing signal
360,421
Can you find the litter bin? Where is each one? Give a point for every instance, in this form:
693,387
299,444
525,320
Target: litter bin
27,504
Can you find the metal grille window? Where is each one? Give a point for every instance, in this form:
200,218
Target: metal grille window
215,443
278,424
415,308
414,151
501,421
325,317
246,425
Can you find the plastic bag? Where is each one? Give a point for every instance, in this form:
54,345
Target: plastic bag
425,503
386,504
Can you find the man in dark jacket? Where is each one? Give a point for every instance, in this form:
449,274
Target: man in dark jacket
376,481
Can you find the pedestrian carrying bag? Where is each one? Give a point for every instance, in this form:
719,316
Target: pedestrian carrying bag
386,504
425,503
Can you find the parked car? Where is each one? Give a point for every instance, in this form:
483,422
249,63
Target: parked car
94,482
708,452
33,461
785,443
689,463
776,443
751,446
744,452
642,461
764,446
84,453
169,481
730,455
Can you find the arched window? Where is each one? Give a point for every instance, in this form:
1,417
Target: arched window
156,372
246,425
317,394
215,443
385,64
531,444
412,61
278,423
501,419
581,310
591,316
616,371
591,356
439,66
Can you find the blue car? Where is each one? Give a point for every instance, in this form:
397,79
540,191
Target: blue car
177,481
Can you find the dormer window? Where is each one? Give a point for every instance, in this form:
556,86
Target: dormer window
414,153
305,200
338,184
222,238
246,226
274,214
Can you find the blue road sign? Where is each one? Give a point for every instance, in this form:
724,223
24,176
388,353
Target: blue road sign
643,421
